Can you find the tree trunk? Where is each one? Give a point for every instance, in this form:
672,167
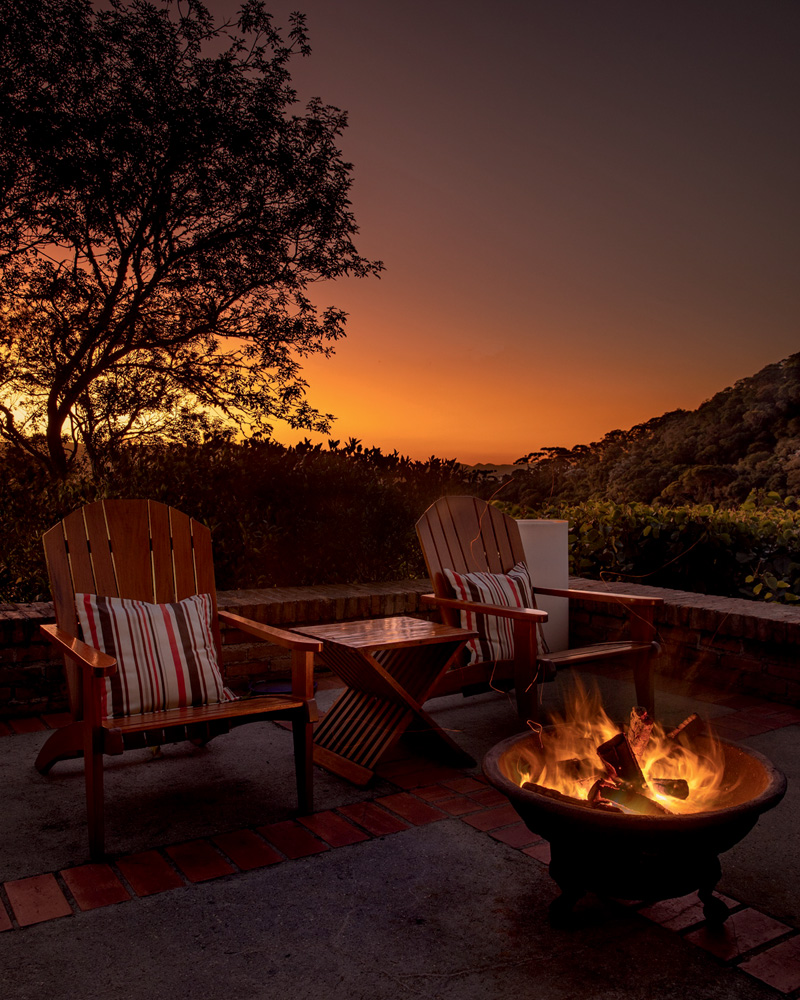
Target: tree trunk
58,459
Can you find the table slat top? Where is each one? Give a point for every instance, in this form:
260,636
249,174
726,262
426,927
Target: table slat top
386,633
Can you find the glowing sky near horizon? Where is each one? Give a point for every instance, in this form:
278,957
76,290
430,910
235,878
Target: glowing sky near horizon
588,213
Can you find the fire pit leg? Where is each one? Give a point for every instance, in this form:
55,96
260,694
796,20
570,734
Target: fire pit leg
714,910
562,872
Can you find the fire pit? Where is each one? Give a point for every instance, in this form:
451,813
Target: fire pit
618,852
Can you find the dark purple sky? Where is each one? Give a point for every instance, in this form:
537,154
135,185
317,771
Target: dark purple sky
588,212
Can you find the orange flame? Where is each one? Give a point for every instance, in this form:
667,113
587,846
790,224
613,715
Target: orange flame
568,762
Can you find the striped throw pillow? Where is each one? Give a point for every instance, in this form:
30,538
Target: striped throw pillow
509,590
165,653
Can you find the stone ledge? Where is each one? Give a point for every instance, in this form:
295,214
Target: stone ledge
31,675
268,602
285,606
686,599
725,617
734,645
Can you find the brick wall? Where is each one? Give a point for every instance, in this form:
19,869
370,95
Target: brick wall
734,645
32,677
731,644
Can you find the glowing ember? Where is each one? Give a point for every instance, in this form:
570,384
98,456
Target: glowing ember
677,775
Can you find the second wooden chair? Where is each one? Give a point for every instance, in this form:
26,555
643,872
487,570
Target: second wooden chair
476,563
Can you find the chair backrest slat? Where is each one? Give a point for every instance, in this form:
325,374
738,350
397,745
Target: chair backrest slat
203,561
105,580
204,572
80,558
128,528
450,550
468,522
161,551
58,569
434,546
506,548
182,554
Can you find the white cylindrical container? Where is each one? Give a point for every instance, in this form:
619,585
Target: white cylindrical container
546,553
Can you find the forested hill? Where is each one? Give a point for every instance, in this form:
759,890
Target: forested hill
745,438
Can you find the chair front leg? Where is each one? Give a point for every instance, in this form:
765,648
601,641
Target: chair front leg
526,679
303,729
93,740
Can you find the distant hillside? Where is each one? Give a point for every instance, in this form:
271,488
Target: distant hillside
745,438
490,471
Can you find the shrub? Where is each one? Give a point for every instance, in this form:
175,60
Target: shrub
751,551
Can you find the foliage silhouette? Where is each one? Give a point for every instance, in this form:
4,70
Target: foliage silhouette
279,516
163,211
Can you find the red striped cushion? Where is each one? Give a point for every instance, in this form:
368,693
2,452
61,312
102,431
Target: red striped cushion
165,653
509,590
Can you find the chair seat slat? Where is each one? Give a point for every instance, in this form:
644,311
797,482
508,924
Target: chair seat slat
269,704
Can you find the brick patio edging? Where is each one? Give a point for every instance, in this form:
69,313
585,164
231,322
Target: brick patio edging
754,942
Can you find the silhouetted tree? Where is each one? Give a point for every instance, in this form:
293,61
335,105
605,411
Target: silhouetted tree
163,211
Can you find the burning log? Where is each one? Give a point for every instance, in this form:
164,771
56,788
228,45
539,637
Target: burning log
676,788
639,730
631,798
597,800
551,793
621,794
617,754
690,728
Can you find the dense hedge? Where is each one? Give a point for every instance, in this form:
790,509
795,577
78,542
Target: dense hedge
749,551
294,516
279,516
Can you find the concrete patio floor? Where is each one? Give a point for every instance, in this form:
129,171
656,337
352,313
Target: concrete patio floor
423,884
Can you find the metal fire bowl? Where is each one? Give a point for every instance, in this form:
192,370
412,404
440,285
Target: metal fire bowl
640,857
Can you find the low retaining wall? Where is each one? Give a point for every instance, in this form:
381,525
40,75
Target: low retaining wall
32,677
734,645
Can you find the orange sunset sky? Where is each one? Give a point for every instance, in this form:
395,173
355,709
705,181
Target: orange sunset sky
588,213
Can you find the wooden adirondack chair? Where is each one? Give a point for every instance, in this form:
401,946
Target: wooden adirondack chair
467,535
145,551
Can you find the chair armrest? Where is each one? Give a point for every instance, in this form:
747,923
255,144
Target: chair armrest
267,633
530,615
601,595
100,664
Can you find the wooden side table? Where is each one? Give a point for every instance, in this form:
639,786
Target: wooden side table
390,666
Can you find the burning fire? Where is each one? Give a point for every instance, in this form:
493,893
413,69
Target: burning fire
678,775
